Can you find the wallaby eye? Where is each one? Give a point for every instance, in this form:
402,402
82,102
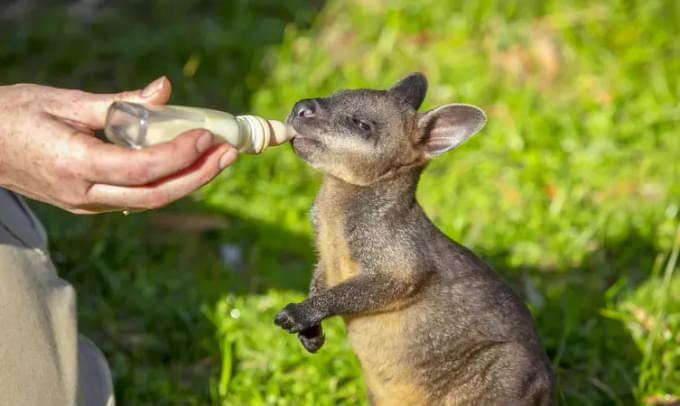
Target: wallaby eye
363,125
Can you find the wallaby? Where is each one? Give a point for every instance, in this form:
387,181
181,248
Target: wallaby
429,321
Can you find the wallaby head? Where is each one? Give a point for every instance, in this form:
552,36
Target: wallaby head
362,136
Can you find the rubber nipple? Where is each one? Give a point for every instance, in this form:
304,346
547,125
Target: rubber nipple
281,132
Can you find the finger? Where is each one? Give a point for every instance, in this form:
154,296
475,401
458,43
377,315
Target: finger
166,190
89,109
116,165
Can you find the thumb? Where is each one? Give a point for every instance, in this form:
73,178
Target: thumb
156,92
89,109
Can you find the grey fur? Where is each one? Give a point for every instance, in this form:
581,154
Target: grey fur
428,319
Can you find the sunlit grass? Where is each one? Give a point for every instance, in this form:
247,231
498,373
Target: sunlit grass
570,191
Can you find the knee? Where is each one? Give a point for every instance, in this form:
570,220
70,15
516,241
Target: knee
95,386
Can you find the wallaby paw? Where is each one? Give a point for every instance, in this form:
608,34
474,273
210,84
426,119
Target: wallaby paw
312,338
293,318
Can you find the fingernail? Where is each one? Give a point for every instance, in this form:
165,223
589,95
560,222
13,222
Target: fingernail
153,87
228,158
204,142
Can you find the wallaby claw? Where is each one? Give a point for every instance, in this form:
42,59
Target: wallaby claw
312,338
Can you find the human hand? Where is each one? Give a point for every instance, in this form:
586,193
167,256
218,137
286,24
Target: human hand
48,152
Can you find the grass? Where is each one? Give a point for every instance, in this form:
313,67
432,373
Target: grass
571,192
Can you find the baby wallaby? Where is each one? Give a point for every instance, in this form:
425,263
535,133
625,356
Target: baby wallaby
429,321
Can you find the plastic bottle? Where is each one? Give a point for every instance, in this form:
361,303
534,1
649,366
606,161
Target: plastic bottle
139,125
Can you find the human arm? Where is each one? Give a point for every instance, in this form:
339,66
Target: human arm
48,152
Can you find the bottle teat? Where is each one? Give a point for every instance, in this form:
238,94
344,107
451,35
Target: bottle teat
266,133
281,132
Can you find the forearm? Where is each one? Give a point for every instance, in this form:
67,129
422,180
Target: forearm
366,293
362,294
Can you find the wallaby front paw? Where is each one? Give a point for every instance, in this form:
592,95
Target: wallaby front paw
293,318
312,338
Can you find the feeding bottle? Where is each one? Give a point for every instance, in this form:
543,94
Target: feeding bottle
136,125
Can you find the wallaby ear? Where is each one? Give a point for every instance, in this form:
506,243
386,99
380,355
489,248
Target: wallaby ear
411,89
447,126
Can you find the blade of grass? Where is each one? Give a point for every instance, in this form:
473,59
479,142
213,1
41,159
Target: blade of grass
649,356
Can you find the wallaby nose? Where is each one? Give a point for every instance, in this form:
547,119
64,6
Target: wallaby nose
304,108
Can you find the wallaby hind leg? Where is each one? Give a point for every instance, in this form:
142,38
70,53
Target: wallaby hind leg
506,374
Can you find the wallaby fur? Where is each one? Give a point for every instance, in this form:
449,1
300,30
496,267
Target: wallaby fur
429,321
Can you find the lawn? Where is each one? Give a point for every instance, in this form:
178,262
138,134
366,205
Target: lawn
571,192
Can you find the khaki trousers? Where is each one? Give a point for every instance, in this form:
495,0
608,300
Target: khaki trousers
43,360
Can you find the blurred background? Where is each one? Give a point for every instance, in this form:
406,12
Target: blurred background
571,192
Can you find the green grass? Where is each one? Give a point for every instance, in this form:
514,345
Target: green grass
571,192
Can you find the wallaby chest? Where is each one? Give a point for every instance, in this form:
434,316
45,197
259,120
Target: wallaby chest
336,261
376,337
